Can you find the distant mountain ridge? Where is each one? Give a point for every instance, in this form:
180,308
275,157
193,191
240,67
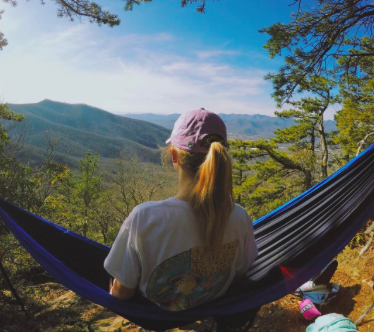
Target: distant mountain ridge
250,126
83,127
89,128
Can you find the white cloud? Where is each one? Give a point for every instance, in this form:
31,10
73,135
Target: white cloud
215,53
128,73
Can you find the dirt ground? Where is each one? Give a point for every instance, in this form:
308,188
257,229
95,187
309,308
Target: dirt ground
52,308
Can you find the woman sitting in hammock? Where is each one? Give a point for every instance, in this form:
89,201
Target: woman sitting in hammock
188,249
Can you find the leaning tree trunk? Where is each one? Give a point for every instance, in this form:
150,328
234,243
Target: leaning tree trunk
324,150
363,142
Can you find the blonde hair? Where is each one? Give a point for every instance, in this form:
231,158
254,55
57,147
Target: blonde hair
212,198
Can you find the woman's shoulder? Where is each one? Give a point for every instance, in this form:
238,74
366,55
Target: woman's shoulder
143,207
240,211
172,203
161,215
163,204
160,208
240,218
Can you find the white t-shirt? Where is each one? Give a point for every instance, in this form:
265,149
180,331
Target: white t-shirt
159,249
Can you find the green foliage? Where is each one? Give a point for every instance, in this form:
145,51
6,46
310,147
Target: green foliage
3,41
315,38
362,237
240,166
271,186
15,179
17,183
84,8
89,181
355,121
265,185
200,8
321,51
358,240
88,187
284,174
130,3
81,8
77,201
136,184
306,161
309,132
7,114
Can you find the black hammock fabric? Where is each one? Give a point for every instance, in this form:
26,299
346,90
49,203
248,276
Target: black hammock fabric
295,242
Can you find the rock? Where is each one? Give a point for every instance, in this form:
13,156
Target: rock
112,324
199,326
64,301
67,299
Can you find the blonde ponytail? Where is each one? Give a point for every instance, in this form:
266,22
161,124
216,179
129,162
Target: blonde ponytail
212,198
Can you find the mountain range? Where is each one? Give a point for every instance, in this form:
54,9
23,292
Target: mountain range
79,127
84,127
245,126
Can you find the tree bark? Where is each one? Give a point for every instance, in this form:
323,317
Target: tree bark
362,142
325,152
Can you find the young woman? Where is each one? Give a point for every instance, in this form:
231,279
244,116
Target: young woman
187,250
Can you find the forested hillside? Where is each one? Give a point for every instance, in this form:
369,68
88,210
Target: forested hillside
78,128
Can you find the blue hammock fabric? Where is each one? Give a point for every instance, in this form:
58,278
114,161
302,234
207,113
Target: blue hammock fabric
295,242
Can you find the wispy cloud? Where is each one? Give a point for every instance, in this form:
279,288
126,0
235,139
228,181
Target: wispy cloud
130,73
215,53
139,39
148,64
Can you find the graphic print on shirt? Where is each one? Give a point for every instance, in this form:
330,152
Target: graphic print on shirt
191,277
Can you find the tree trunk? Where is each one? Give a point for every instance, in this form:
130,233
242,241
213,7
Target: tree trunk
324,150
103,233
12,289
85,225
240,183
308,180
362,142
85,229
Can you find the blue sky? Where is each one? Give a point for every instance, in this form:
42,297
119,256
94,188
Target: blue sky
161,59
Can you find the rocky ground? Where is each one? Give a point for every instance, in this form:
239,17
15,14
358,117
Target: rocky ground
53,308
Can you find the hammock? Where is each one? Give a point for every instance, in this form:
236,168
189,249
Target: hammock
295,241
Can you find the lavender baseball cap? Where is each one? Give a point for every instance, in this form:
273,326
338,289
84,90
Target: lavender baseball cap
191,127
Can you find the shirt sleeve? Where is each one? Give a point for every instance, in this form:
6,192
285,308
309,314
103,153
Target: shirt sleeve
250,250
123,261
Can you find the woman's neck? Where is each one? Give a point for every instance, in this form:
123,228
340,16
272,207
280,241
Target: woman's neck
186,185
